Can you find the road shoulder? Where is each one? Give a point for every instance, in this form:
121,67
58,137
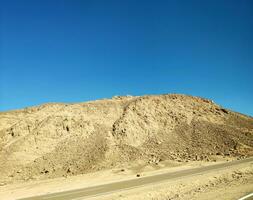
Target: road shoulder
231,183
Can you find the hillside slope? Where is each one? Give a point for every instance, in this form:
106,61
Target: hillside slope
55,140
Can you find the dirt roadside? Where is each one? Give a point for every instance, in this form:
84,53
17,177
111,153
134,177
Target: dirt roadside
190,188
226,184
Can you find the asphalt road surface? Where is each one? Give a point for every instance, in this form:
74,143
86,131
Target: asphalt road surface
98,190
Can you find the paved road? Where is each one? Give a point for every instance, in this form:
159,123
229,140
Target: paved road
133,183
248,197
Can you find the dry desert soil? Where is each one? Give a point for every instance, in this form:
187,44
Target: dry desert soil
57,140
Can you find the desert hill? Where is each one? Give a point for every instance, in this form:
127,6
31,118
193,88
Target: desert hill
53,140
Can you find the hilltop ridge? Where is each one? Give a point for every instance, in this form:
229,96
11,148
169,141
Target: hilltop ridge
58,139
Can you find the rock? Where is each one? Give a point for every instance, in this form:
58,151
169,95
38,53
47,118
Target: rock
108,132
2,184
224,110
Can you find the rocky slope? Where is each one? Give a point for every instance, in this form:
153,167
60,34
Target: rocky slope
55,140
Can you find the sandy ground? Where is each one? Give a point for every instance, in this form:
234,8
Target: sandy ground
33,188
227,184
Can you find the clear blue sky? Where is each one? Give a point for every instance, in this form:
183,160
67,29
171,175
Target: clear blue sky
73,51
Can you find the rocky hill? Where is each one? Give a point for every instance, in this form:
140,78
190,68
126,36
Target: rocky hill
58,139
